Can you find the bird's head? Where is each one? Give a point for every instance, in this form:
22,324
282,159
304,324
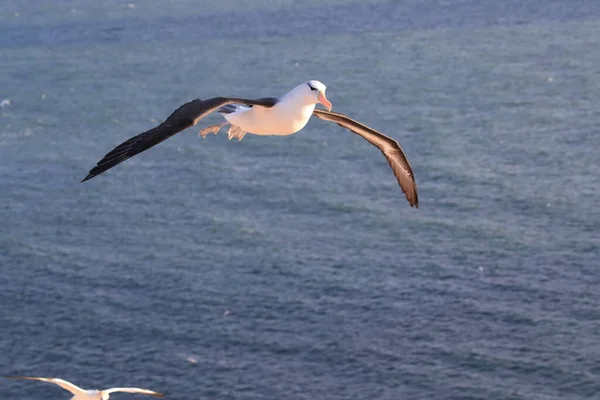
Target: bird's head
312,92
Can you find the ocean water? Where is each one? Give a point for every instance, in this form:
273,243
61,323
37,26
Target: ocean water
293,267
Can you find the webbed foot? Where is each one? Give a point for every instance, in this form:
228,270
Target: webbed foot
236,132
211,129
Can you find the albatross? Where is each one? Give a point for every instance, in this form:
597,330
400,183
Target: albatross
280,116
82,394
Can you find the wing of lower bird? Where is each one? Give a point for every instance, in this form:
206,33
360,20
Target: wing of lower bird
184,117
60,382
388,146
134,390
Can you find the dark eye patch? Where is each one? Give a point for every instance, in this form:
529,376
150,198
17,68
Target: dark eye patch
311,88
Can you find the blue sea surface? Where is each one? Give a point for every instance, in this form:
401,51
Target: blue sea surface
293,267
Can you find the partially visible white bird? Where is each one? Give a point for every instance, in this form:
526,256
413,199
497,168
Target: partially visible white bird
82,394
4,103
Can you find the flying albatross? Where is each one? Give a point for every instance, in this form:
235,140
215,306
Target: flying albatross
265,116
82,394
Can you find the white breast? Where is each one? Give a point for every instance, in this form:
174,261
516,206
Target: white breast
284,118
88,395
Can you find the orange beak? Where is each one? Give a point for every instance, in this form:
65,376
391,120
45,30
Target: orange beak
323,100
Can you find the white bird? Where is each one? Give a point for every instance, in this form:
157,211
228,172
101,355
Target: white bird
82,394
265,116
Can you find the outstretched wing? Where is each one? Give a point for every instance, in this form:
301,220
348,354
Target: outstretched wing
388,146
134,390
184,117
62,383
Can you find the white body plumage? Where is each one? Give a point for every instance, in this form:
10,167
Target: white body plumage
288,116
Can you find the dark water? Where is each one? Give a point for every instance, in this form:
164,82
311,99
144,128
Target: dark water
292,267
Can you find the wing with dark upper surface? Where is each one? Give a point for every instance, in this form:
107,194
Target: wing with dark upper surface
388,146
184,117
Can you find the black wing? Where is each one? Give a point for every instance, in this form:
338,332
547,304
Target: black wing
184,117
388,146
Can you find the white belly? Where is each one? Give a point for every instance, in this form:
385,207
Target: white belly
88,395
281,119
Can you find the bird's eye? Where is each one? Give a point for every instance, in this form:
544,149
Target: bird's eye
312,88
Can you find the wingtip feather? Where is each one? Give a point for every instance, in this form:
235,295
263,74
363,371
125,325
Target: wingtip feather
32,378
